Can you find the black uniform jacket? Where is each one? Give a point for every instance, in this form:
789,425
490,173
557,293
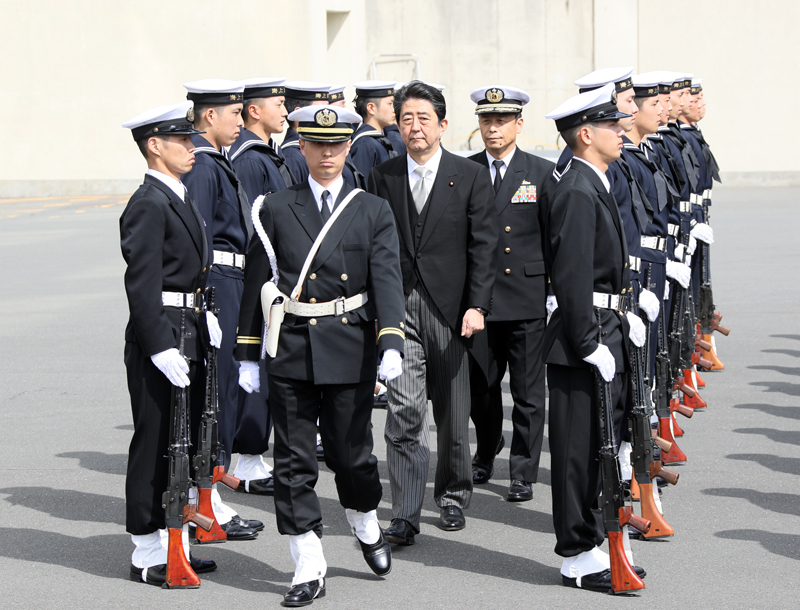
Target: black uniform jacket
370,148
359,254
258,165
585,252
520,286
165,248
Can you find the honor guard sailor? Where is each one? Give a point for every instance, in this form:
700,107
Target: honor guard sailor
515,325
339,308
225,209
587,260
166,252
374,103
299,94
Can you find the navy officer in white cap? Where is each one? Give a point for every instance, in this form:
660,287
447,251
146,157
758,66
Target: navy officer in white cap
165,248
374,103
515,325
344,309
587,261
225,208
299,94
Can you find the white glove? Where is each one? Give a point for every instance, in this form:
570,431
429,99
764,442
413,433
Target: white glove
679,272
638,332
692,244
680,250
603,359
391,365
214,331
648,302
173,365
703,232
666,291
249,379
552,304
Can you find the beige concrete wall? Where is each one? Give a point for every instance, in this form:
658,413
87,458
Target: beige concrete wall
74,70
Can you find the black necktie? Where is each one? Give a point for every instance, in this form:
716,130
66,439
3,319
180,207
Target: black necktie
280,163
325,210
497,177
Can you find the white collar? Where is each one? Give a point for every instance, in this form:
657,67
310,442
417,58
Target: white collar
176,186
599,173
506,159
333,189
432,163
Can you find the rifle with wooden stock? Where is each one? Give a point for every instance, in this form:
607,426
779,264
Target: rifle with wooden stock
209,461
175,500
616,515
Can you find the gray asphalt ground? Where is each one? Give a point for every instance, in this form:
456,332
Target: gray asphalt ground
66,425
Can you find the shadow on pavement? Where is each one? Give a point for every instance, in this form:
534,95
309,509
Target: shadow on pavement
68,504
786,352
795,337
789,437
787,412
124,427
786,370
773,462
786,504
786,545
107,463
792,389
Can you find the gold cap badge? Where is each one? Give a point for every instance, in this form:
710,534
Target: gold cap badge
325,118
495,95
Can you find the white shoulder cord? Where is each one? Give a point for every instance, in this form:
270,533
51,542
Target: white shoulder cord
273,261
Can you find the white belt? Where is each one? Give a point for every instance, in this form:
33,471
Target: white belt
189,300
696,199
707,194
673,230
229,259
330,308
635,263
686,206
609,301
654,243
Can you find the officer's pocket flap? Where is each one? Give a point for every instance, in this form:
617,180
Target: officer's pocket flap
534,268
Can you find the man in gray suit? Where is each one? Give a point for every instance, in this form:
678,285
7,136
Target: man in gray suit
444,211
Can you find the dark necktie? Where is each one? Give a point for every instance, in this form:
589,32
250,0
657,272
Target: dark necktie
325,210
280,163
497,177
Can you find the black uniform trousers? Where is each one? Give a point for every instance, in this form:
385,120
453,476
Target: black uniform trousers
574,449
344,413
148,466
516,346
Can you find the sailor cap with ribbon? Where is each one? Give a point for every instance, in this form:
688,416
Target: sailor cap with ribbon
212,91
683,80
697,86
621,77
173,120
590,107
263,86
375,88
646,85
336,93
665,79
307,90
324,123
499,99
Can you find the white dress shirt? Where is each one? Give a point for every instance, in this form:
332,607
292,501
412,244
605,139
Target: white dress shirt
432,165
506,162
333,191
176,186
597,171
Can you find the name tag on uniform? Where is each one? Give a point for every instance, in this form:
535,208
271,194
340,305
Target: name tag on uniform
526,193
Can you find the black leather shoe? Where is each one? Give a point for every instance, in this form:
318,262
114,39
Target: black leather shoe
520,491
452,519
253,524
156,575
303,594
380,401
378,555
599,581
202,566
239,531
261,487
400,532
639,571
483,471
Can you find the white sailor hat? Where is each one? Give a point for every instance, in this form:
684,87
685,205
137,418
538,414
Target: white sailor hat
646,85
665,79
172,120
683,80
621,77
307,90
590,107
375,88
214,91
499,99
263,86
697,86
336,93
324,123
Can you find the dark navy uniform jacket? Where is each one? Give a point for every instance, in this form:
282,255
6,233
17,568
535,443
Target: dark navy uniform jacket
661,155
213,187
623,185
256,164
393,133
370,148
359,254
